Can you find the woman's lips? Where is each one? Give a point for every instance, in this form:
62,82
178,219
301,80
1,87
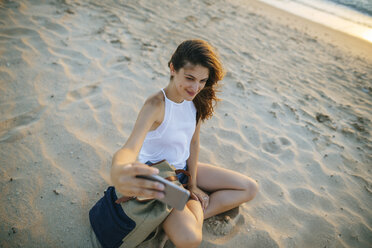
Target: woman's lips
191,93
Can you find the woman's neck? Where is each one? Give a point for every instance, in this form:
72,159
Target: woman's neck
172,93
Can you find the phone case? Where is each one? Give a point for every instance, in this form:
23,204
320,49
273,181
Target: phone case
175,196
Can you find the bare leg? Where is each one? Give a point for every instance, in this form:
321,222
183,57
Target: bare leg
184,228
228,189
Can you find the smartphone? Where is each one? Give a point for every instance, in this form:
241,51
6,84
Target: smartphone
175,196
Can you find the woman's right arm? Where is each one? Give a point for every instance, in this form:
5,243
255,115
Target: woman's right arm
125,168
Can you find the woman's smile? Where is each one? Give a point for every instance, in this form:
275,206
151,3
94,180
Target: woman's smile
191,93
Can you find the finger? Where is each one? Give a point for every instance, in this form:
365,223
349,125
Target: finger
139,169
148,184
193,196
207,203
201,200
132,183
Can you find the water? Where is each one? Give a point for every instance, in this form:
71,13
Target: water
363,6
353,17
356,11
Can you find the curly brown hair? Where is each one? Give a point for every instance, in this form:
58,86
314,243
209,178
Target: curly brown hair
200,52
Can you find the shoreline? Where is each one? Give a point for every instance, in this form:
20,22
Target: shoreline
361,27
350,43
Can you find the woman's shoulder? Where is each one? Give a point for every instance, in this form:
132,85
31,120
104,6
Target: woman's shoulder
155,101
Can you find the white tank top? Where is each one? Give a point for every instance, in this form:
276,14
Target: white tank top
171,140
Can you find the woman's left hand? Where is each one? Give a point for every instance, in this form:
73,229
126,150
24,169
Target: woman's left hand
201,196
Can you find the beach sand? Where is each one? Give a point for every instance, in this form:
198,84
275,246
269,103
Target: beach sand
295,115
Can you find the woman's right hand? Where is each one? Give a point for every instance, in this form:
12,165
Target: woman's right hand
124,179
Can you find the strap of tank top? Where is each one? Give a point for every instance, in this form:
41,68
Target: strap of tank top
165,96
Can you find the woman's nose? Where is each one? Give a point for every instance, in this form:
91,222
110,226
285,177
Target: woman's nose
195,86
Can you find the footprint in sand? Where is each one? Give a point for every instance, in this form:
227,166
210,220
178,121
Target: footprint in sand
302,197
224,223
272,147
83,92
275,146
80,94
284,141
50,24
9,128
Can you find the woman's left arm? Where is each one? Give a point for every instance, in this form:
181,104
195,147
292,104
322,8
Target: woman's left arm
192,164
192,161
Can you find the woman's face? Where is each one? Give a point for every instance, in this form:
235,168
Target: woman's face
189,80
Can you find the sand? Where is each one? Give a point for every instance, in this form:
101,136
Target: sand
295,116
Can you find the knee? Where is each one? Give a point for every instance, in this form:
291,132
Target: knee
251,190
188,239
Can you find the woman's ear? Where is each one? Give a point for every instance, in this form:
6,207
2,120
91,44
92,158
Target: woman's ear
171,67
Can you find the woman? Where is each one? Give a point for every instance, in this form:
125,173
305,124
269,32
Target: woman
168,127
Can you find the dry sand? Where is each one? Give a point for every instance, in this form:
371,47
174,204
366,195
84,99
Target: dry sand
295,116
